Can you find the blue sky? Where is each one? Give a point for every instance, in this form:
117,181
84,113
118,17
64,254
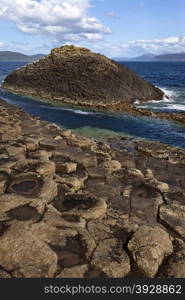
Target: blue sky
112,27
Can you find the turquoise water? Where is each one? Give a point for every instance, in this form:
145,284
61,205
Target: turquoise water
94,123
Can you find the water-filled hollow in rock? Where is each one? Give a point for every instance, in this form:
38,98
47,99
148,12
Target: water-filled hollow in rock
82,202
29,185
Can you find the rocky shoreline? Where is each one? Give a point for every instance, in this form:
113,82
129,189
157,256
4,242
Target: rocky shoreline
129,108
74,207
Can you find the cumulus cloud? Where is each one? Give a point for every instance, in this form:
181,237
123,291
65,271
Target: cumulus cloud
67,20
139,47
157,46
2,44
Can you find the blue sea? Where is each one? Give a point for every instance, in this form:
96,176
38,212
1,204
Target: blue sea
168,76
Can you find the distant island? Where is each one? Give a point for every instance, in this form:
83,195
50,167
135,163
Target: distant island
154,58
77,76
15,56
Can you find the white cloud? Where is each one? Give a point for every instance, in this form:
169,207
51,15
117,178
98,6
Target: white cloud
130,49
139,47
112,14
2,44
55,18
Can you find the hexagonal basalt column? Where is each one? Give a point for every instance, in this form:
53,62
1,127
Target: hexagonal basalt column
84,205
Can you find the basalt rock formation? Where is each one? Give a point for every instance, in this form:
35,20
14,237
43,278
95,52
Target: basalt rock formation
78,76
74,207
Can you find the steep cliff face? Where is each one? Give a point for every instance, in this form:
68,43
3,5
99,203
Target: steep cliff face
79,76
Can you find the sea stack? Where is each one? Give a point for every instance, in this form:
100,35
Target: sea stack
78,76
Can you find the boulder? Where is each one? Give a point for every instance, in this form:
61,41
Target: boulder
111,165
111,259
174,217
68,167
148,246
23,251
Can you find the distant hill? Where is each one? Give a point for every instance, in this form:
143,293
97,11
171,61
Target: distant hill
15,56
155,58
144,57
170,57
121,58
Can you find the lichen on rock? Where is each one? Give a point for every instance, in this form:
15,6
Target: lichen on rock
69,50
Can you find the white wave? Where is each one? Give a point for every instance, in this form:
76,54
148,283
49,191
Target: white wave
83,112
176,107
168,98
76,111
179,107
137,102
164,100
148,107
169,93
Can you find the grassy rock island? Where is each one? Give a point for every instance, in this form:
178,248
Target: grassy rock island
78,76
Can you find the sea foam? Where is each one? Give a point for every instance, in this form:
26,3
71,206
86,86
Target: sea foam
176,107
168,96
76,111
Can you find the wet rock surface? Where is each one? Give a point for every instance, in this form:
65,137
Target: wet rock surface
74,207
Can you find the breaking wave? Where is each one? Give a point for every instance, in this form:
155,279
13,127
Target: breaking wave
76,111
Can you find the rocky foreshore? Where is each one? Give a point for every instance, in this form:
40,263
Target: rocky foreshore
74,207
133,109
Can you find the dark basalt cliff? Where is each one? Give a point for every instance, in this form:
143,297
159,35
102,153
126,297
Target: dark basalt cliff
78,76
